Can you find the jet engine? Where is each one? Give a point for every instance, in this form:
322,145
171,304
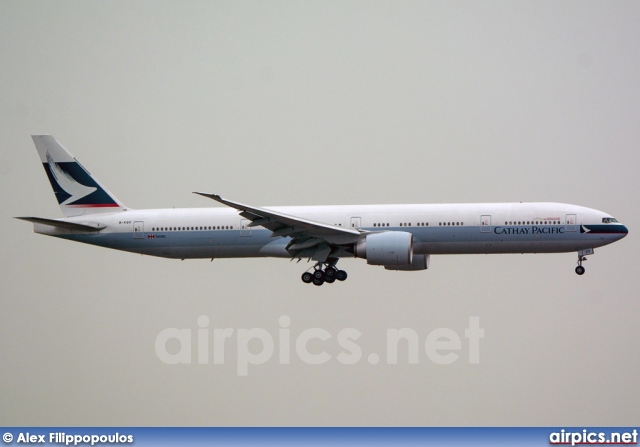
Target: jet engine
419,262
390,248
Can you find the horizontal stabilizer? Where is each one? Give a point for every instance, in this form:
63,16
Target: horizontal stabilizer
64,224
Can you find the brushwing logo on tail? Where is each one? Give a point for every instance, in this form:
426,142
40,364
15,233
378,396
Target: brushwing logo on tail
74,186
68,184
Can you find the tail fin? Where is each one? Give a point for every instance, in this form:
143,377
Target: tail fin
77,191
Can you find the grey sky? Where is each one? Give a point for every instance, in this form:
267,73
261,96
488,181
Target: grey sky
295,103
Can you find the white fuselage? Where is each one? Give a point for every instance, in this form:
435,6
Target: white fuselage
436,229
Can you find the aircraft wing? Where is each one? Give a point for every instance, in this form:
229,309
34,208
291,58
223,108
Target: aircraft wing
309,238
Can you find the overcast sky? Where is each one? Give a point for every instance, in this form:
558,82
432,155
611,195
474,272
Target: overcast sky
303,103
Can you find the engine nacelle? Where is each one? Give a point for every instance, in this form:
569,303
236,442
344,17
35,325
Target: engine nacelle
391,248
419,262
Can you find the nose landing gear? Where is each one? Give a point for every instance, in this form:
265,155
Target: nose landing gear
582,256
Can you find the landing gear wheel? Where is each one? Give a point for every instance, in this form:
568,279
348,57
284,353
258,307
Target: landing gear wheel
580,270
341,275
307,277
324,272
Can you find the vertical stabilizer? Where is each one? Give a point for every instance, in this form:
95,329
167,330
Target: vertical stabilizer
76,190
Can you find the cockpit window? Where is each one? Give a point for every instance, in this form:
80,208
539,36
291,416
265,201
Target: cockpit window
609,220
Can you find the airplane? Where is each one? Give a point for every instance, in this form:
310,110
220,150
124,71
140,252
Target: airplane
396,237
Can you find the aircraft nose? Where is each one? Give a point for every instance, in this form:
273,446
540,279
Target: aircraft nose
624,231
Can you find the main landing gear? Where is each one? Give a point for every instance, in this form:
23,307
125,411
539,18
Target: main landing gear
324,272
